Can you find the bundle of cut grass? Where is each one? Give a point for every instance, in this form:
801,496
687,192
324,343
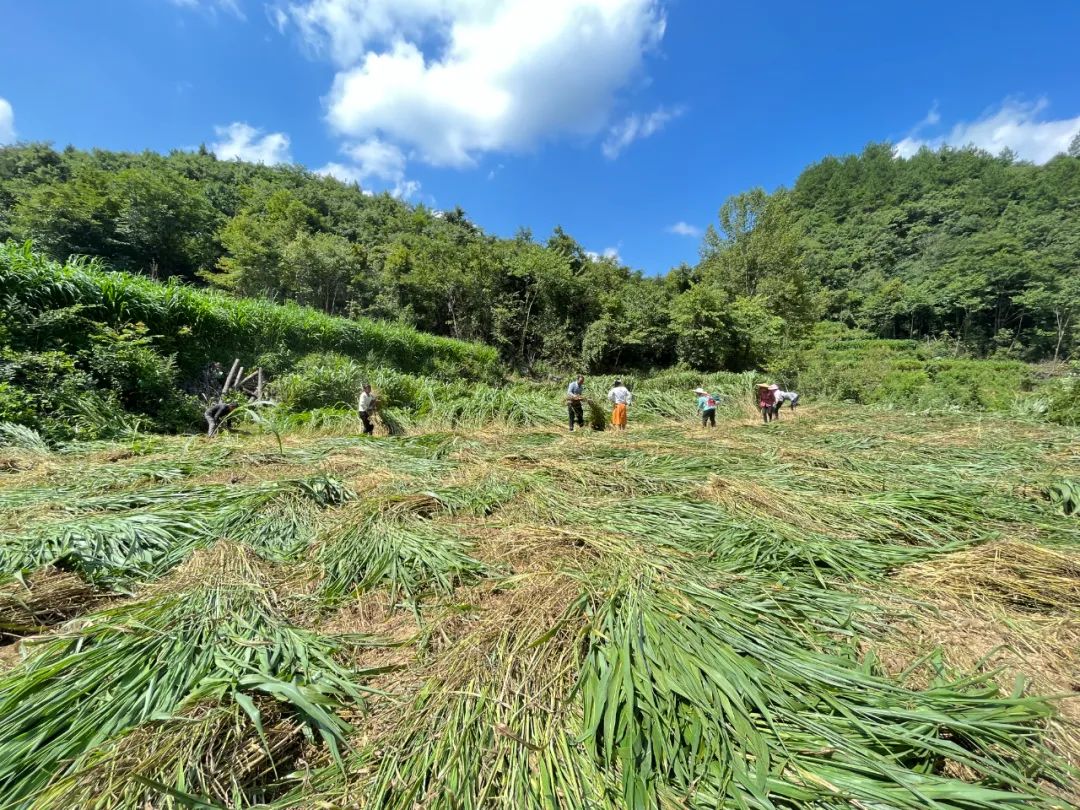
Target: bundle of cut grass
745,698
409,556
211,753
492,725
30,605
141,534
215,632
22,438
109,550
1010,572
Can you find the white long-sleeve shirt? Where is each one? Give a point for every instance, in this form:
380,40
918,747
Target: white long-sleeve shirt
367,402
620,395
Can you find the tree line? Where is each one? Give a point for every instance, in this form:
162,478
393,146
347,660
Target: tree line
956,244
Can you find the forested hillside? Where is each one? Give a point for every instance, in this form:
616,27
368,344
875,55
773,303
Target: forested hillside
956,245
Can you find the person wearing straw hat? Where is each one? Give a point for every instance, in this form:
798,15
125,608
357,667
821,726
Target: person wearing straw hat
620,397
706,405
774,389
766,402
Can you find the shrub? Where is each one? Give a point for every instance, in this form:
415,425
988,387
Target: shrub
1063,401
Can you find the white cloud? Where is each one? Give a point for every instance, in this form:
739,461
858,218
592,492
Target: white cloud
405,189
606,253
341,171
447,80
212,7
1013,125
7,122
374,158
635,127
245,142
684,229
377,158
278,17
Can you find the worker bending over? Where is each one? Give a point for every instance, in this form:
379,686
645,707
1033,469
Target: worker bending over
786,396
216,416
620,397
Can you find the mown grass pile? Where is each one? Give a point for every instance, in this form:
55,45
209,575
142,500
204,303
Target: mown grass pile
510,616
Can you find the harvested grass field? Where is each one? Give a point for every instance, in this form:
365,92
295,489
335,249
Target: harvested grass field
848,608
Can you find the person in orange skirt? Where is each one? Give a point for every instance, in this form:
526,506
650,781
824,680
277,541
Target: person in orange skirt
620,397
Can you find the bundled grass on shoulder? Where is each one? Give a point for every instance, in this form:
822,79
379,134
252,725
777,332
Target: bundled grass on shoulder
214,632
410,557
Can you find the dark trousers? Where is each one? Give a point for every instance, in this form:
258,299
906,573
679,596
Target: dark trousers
576,414
769,412
369,426
708,417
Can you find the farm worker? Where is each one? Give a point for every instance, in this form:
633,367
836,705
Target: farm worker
216,415
786,396
367,409
766,402
706,405
574,397
620,397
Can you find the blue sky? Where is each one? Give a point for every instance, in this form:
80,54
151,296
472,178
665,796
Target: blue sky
628,122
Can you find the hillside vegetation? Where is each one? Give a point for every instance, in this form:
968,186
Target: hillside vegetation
81,347
979,251
669,617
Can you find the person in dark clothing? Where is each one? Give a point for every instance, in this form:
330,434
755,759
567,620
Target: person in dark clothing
574,398
216,416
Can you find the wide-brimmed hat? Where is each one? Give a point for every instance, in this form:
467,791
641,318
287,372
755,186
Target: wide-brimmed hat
762,385
774,387
700,391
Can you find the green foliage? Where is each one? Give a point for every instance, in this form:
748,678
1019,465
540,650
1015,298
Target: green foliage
75,328
124,361
1063,401
844,364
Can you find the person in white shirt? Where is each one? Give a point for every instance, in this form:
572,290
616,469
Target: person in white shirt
786,396
367,409
620,397
575,393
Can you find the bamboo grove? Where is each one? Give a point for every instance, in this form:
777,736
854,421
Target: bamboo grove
504,615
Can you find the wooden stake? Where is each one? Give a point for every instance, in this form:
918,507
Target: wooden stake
229,376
